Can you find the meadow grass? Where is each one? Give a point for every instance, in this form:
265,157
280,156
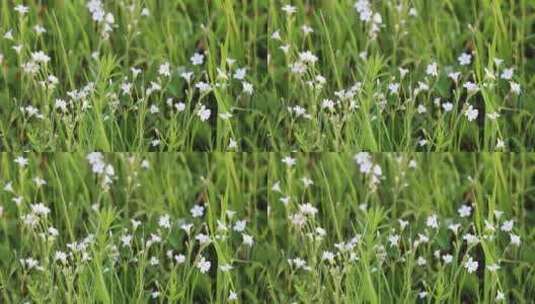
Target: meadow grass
144,35
357,61
297,88
305,228
114,76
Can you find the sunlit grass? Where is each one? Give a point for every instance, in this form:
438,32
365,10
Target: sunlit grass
327,227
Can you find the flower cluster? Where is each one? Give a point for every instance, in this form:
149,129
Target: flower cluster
101,16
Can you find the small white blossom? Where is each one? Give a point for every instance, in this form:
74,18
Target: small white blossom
197,59
471,265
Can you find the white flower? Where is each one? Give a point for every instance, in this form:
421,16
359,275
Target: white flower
454,76
362,157
403,72
471,113
276,187
39,181
204,113
180,258
187,227
232,296
307,182
298,263
247,239
40,57
165,221
308,209
154,261
60,256
145,164
8,187
327,104
53,232
239,226
493,115
40,209
464,211
289,161
30,263
507,226
61,104
285,48
135,224
126,240
432,221
197,59
454,227
515,239
165,69
422,294
135,72
403,224
308,57
233,144
17,48
393,88
500,144
327,256
203,86
21,9
447,258
9,35
447,106
187,76
197,211
289,9
203,265
39,29
500,296
240,74
515,87
507,74
432,69
471,239
307,29
465,59
247,88
154,109
180,106
202,238
471,265
30,67
421,109
394,240
471,87
421,261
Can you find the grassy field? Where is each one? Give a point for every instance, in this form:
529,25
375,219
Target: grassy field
137,80
267,228
240,179
403,75
267,75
